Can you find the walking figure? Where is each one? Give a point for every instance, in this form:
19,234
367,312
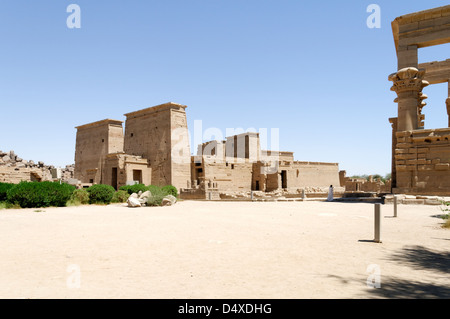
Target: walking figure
330,194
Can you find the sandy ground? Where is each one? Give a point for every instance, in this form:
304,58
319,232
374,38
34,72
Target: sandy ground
223,250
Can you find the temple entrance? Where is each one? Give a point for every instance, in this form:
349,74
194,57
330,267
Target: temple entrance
137,176
114,178
283,179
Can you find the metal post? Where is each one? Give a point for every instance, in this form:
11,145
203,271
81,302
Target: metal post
303,194
251,195
395,206
377,223
210,195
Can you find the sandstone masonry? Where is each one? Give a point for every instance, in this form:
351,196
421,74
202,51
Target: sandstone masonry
420,157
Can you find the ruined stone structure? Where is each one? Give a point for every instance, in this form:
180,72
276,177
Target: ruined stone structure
239,165
363,185
420,157
155,150
14,169
160,135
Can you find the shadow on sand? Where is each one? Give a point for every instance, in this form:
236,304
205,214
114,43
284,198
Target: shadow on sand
419,258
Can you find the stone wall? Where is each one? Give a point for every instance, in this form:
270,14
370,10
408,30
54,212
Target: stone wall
370,185
151,133
121,169
364,185
421,158
423,162
229,176
14,169
294,175
93,142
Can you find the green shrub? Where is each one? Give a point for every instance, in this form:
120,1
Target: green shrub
134,188
158,195
79,197
40,194
100,194
170,190
4,188
7,205
120,196
445,208
153,188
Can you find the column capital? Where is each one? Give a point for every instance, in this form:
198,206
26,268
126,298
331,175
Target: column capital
408,84
408,79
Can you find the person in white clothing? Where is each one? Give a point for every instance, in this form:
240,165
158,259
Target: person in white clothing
330,194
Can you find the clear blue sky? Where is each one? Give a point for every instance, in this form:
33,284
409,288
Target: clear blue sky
313,69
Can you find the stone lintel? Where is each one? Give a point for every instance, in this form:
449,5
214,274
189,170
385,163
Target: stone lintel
157,108
100,123
415,23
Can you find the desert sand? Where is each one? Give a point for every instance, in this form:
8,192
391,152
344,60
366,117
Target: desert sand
227,250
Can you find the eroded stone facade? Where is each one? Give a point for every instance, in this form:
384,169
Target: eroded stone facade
154,149
421,157
239,165
14,169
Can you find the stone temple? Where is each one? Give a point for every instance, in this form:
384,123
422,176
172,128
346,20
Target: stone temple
154,149
420,157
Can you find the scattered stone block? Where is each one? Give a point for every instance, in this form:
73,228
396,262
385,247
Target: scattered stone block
413,201
432,202
133,202
169,200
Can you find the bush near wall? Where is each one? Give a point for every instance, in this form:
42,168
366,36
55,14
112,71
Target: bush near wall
170,190
120,196
158,194
134,188
40,194
100,194
4,188
79,197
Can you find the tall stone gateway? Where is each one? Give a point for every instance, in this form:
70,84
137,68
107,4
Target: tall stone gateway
421,157
160,135
94,142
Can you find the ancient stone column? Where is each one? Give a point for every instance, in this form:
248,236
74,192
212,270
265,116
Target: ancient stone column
448,103
408,84
448,110
393,122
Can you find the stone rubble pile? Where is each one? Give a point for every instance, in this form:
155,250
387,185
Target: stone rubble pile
281,193
12,166
140,199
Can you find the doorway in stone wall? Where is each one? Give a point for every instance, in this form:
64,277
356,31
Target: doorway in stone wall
137,176
283,179
114,178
